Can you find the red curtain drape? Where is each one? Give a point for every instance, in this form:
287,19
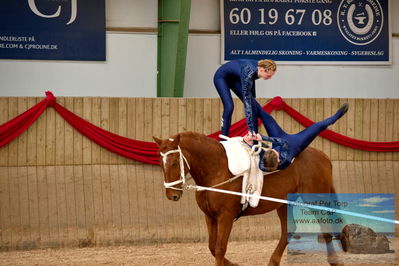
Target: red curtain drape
13,128
146,152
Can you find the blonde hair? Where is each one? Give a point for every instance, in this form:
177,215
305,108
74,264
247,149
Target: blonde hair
267,64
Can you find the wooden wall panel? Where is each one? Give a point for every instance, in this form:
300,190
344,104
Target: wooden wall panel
3,119
86,143
358,125
60,125
68,136
77,137
52,205
24,204
62,204
59,189
13,146
374,126
34,207
22,140
96,120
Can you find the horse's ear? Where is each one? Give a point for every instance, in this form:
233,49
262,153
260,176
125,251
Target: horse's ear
157,140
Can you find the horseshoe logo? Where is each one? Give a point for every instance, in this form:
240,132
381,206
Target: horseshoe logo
360,21
353,27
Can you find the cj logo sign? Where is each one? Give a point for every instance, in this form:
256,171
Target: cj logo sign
74,11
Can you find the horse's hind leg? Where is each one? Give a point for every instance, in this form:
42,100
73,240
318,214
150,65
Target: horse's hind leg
326,230
331,253
278,252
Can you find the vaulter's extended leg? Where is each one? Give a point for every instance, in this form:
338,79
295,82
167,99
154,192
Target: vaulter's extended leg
298,142
271,126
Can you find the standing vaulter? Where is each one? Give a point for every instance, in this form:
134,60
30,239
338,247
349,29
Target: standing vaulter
239,76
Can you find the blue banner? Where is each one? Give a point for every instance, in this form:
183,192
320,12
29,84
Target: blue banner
350,31
52,29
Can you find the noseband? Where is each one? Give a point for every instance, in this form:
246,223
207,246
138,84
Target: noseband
182,160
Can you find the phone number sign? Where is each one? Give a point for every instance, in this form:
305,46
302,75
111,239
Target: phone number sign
307,31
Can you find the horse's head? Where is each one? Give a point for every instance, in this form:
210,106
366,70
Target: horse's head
174,166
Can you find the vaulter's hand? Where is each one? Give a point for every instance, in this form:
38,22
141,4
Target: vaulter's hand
248,138
258,137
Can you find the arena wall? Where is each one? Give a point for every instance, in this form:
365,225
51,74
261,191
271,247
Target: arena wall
58,189
131,66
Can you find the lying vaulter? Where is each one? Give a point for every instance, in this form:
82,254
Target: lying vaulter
285,147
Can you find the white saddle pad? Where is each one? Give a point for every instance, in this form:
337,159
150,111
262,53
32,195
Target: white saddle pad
237,155
241,162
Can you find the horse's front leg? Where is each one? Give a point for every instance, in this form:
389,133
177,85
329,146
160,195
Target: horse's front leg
224,226
212,233
278,252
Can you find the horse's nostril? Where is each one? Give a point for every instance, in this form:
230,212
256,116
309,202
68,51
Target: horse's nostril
175,197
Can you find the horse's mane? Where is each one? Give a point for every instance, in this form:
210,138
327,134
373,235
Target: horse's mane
196,137
200,144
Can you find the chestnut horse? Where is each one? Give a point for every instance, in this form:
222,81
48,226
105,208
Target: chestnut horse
205,159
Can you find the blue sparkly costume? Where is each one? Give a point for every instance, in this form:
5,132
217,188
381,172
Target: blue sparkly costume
239,76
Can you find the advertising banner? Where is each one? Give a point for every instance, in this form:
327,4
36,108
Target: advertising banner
307,31
52,29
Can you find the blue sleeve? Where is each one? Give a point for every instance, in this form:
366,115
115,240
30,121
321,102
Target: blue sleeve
266,138
247,86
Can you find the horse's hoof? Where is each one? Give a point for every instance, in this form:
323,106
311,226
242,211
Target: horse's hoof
333,260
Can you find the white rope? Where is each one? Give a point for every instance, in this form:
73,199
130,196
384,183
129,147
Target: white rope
227,181
201,188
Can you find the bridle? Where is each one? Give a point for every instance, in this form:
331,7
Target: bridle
182,160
